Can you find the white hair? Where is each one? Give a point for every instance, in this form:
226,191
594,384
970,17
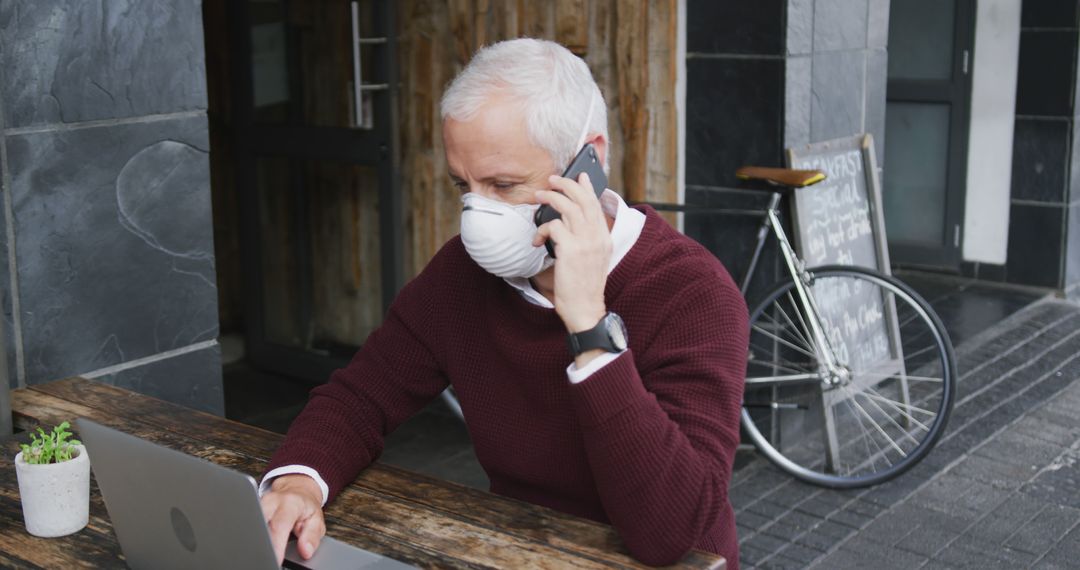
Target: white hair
554,87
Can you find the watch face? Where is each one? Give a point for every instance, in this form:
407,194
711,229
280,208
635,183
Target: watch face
616,330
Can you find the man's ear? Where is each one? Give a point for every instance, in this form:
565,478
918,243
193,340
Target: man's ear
599,142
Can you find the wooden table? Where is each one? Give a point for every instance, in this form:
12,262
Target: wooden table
410,517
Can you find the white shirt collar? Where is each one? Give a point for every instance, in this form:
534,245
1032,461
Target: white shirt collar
624,234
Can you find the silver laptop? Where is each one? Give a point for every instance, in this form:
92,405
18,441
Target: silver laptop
172,510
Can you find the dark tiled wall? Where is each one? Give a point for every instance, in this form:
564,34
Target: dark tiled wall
766,75
107,263
1041,247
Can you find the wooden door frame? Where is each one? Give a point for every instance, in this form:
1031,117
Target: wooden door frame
377,148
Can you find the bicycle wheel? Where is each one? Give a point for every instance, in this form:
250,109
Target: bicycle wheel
883,405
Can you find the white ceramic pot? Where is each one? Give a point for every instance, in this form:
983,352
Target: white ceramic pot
55,496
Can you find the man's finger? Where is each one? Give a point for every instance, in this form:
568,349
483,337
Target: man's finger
580,191
570,211
280,526
310,535
547,231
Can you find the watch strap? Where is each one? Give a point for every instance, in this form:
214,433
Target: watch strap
596,337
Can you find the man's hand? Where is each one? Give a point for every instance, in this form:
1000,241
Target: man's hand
294,504
582,251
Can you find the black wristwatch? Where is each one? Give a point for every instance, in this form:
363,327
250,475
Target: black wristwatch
609,334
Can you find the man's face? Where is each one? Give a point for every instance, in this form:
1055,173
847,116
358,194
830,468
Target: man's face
492,155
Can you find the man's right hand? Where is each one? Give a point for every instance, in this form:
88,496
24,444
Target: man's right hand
294,504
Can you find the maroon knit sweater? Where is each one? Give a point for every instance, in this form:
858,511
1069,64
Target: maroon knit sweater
645,444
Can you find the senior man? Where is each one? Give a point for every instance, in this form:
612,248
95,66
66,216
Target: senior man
637,427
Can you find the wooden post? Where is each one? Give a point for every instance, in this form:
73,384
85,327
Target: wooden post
5,389
632,73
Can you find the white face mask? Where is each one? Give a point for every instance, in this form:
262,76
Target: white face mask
499,236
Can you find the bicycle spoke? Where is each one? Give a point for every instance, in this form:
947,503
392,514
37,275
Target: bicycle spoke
778,365
886,375
888,417
870,455
908,406
875,424
896,405
798,314
780,327
782,341
795,328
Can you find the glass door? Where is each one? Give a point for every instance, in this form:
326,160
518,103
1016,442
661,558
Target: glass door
314,85
926,124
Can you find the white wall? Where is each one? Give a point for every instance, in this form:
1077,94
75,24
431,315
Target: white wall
990,141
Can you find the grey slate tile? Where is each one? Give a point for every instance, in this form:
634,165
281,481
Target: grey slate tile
840,25
89,205
837,95
69,60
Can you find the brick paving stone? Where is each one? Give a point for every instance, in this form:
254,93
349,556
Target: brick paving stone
782,563
1019,450
989,554
833,529
800,520
783,531
792,494
752,520
750,556
896,524
1044,531
816,507
1001,475
943,492
848,560
817,540
1067,550
801,554
739,501
851,519
999,525
896,558
1050,432
765,543
927,539
767,509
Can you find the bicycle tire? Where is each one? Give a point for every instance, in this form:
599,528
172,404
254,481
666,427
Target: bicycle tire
885,410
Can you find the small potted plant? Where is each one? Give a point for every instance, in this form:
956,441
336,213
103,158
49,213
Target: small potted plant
54,483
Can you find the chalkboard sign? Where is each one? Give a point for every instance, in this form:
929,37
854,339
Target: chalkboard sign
839,222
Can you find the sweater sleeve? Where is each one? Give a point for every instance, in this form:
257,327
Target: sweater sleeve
394,374
661,446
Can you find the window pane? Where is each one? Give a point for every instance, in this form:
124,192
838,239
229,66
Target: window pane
303,62
916,158
921,39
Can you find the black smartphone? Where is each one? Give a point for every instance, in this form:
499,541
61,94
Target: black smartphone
588,162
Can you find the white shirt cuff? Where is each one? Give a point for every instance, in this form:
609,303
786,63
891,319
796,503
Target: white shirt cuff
294,469
577,376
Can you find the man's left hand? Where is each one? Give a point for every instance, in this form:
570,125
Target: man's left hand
582,251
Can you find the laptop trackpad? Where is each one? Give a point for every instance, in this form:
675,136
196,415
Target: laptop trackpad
336,554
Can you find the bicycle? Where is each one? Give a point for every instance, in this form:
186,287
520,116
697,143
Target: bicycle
831,402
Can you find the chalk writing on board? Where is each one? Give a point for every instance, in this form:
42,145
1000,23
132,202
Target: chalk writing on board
835,215
833,225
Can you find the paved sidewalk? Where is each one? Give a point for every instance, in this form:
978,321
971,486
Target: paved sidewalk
1000,490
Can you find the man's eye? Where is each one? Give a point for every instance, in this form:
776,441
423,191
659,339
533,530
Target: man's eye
461,185
504,185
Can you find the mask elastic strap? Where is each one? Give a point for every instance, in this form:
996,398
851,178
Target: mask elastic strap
588,119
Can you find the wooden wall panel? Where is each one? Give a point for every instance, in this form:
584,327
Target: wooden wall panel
628,44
